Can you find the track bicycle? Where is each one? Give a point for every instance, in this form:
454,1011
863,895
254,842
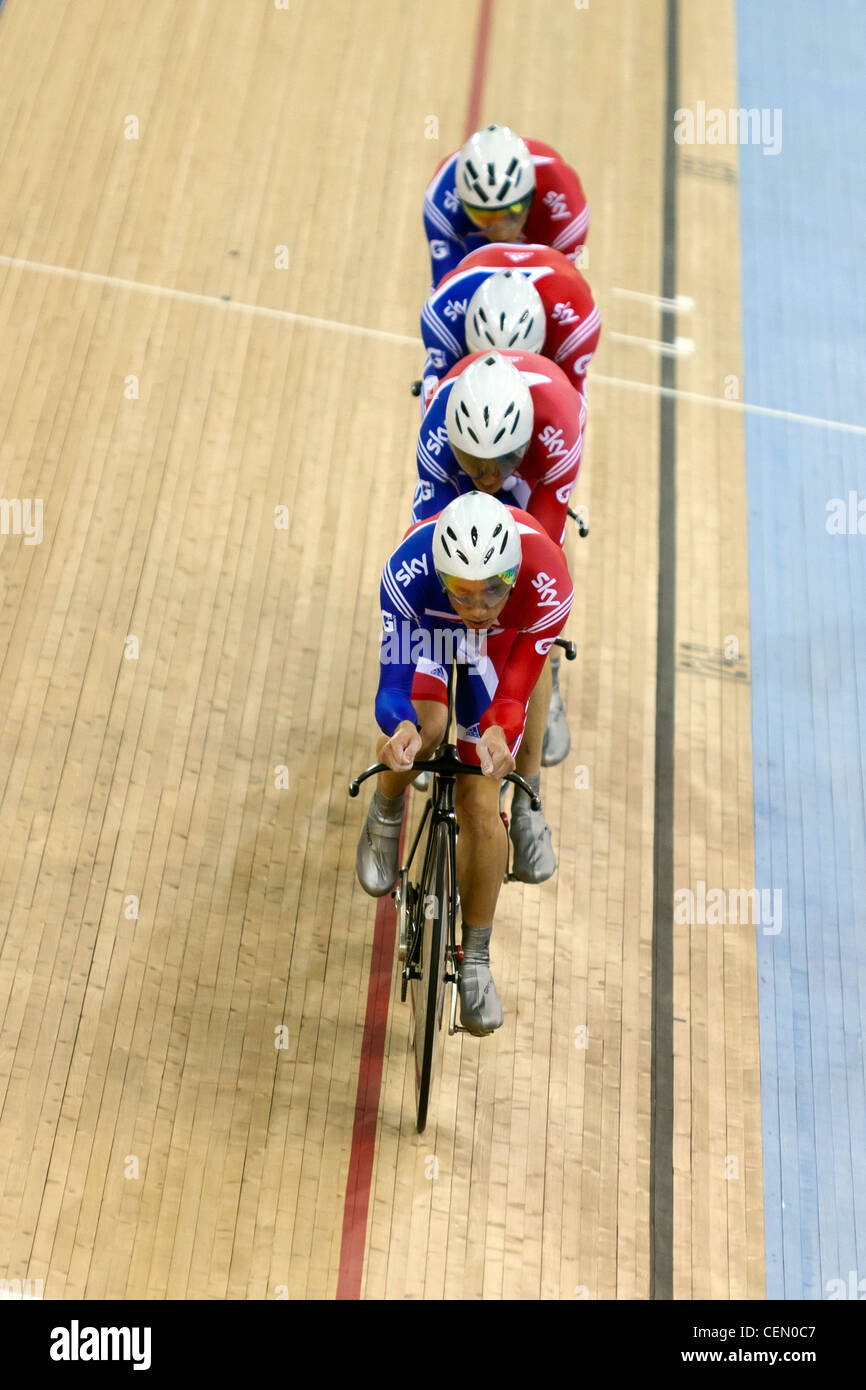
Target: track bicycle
428,951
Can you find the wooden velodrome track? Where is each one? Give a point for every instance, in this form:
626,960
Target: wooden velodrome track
221,481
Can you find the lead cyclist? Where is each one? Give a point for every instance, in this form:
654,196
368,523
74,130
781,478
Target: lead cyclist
481,584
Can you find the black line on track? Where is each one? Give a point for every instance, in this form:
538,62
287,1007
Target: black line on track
662,1084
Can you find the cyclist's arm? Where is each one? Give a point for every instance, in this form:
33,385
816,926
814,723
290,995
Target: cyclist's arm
548,501
518,680
399,622
548,505
437,485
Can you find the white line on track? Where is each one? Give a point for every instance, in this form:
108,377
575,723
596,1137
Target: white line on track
234,305
680,347
595,378
680,304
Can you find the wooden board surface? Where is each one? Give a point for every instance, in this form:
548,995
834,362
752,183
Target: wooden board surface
221,480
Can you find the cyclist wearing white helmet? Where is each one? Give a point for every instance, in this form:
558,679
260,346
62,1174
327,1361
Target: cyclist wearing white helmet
500,187
502,296
510,424
505,312
482,584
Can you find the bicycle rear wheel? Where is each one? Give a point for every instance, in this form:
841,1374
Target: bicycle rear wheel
428,991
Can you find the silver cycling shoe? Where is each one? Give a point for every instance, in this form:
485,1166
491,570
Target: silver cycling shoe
533,859
377,858
480,1009
557,735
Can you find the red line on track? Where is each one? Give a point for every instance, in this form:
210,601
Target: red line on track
367,1099
379,989
482,40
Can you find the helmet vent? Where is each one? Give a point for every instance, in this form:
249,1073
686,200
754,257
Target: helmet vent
516,422
490,361
491,173
461,556
497,529
504,543
445,547
487,415
474,535
452,534
487,556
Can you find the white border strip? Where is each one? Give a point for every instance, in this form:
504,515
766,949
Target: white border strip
595,378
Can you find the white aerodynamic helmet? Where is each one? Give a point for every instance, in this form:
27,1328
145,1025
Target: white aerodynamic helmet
506,312
489,412
476,537
494,169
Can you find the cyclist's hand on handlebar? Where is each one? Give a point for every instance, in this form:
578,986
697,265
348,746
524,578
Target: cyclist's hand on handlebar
399,752
494,754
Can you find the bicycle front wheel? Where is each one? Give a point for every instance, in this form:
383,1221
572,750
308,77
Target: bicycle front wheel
428,991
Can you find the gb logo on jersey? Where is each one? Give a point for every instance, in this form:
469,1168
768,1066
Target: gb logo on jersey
581,363
563,312
436,358
439,250
546,590
423,492
553,441
544,644
436,441
389,622
559,209
410,568
563,493
455,309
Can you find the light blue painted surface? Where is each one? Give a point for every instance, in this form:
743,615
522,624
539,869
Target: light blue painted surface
803,229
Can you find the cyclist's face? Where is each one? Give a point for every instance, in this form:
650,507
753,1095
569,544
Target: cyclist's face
472,604
488,474
501,224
